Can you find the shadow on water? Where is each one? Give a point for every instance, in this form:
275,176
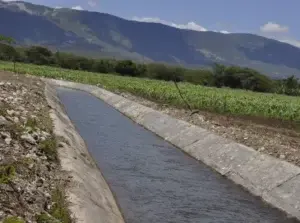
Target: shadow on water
152,180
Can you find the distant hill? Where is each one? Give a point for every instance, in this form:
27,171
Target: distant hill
103,35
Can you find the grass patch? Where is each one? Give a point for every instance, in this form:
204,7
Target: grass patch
2,111
32,123
15,130
49,148
46,218
224,101
43,121
59,212
13,220
7,173
60,208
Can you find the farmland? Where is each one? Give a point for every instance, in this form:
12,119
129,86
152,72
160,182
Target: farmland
219,100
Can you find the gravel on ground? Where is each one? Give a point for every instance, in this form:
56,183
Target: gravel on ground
31,183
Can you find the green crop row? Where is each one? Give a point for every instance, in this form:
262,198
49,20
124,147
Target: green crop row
221,100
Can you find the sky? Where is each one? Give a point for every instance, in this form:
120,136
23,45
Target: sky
278,19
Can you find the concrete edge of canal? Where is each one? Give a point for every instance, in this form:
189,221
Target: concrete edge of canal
89,196
277,182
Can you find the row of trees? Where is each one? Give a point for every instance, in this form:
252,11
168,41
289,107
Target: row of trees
219,76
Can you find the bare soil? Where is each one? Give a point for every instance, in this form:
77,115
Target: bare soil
272,137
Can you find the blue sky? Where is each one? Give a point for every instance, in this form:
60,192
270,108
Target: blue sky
277,19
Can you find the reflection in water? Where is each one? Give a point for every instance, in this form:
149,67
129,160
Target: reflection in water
154,181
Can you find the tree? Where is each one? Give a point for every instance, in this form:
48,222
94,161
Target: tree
104,66
290,86
126,67
160,72
218,73
291,82
6,39
9,50
39,55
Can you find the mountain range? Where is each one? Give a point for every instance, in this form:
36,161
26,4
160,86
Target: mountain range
98,35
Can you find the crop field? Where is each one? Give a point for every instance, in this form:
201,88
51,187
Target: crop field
224,101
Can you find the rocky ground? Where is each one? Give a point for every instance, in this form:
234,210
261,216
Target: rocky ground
278,139
31,185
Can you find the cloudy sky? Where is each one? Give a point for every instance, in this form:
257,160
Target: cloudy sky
277,19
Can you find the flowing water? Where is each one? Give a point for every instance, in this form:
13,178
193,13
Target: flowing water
153,181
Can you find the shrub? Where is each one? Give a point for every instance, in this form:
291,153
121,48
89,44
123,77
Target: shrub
126,67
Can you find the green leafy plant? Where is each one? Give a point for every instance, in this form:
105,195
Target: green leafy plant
7,172
49,148
13,220
11,52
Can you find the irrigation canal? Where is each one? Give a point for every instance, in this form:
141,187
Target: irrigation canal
153,181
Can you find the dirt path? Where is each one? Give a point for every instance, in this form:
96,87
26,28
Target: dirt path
30,177
270,137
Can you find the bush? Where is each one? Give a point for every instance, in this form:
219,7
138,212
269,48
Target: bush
126,67
67,61
39,55
242,78
141,70
202,77
49,148
8,52
104,66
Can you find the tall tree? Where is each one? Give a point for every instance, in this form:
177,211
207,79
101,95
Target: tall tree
11,51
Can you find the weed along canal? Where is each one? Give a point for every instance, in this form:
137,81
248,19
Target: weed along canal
153,181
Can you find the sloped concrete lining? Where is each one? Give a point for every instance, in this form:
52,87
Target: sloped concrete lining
290,190
274,180
90,198
264,172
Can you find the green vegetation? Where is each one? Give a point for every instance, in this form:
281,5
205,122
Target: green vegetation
46,218
7,51
48,147
60,208
220,76
7,172
32,123
13,220
221,100
59,211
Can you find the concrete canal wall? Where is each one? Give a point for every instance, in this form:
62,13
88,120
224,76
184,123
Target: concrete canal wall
90,198
275,181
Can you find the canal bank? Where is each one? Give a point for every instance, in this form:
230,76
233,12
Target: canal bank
274,180
89,197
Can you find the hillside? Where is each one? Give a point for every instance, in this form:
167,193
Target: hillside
103,35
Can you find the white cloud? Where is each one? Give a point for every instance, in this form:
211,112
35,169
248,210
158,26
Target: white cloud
190,25
58,7
271,27
77,7
285,38
224,32
8,0
279,32
291,41
92,3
